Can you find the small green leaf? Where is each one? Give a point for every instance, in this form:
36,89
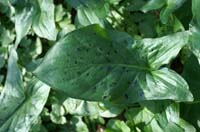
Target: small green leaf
57,114
39,14
117,126
85,108
161,50
23,19
171,6
90,12
78,124
43,22
152,5
92,15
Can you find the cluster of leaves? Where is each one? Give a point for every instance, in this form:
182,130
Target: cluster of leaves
99,65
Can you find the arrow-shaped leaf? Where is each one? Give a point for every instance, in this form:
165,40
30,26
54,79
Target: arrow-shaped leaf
91,64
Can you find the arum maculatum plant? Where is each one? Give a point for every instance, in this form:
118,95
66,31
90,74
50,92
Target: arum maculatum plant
100,65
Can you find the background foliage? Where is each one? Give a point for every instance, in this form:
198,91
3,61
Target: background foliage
99,65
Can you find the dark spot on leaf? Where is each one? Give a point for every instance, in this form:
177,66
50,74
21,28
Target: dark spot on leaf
142,57
126,41
87,74
123,68
108,60
78,49
79,73
4,108
129,82
87,50
126,96
105,97
115,51
100,49
141,94
109,68
110,85
90,44
114,83
108,53
101,68
75,62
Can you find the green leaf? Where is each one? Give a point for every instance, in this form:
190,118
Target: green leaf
5,7
195,12
6,36
92,15
23,19
89,108
38,14
89,64
57,114
171,6
20,107
114,125
195,29
168,7
78,124
153,5
43,22
90,12
190,112
78,3
161,51
158,116
191,74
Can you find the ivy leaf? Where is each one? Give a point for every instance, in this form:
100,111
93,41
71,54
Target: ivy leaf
19,106
89,64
